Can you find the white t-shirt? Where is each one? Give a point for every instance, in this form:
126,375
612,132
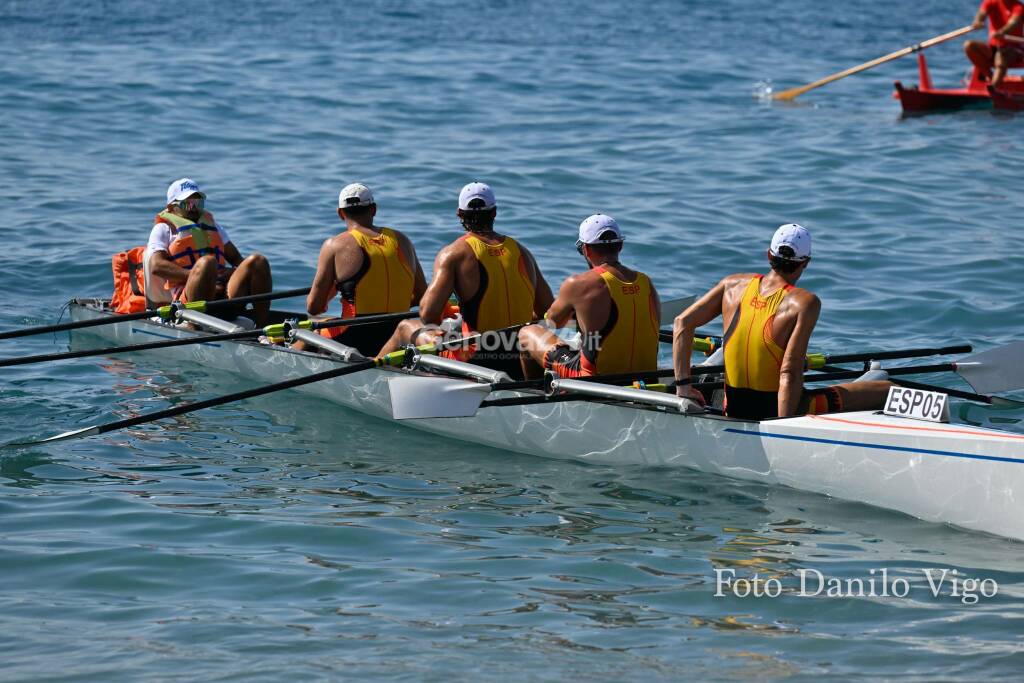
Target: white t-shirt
160,236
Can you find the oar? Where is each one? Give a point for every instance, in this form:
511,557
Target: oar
394,358
277,331
966,395
793,93
989,372
165,312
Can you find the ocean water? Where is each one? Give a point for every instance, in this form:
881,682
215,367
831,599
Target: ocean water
284,538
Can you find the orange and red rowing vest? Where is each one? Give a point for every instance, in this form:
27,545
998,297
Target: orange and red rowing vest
629,340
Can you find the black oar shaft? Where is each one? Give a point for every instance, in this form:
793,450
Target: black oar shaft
125,317
147,346
903,353
186,341
238,396
956,393
363,320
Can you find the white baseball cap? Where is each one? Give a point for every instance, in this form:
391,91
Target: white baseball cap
481,191
354,195
182,189
796,238
594,226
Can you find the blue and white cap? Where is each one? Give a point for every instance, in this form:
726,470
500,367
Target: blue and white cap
593,227
791,241
481,191
183,189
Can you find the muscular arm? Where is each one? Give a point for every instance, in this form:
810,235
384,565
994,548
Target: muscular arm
419,282
542,296
562,308
791,375
323,282
441,287
700,312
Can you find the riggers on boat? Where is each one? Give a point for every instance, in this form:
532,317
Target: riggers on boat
963,475
925,98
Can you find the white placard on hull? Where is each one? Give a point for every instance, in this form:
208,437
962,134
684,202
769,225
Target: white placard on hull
917,404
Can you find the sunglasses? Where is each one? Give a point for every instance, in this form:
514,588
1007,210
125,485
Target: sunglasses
193,203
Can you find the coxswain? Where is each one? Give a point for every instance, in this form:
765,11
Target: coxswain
616,308
496,281
768,322
189,256
1005,18
373,269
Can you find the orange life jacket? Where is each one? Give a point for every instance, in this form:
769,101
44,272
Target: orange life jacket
129,281
190,241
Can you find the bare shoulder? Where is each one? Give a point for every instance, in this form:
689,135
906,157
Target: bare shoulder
736,281
802,301
581,282
457,249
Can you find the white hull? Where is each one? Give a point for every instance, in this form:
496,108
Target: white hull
968,476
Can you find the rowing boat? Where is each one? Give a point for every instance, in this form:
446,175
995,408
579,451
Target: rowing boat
925,98
962,475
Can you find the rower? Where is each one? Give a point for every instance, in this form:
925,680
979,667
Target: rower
616,308
1005,18
768,322
496,279
190,257
372,268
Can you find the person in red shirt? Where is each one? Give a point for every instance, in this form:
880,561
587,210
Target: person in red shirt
1005,18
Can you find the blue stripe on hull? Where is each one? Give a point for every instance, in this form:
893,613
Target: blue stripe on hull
876,446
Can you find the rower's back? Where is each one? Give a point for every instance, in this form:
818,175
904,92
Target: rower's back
618,319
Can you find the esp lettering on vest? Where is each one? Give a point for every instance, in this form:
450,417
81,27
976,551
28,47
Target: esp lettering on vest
630,290
496,251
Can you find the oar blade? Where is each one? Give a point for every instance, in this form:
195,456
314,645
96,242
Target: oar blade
995,370
429,397
673,307
66,436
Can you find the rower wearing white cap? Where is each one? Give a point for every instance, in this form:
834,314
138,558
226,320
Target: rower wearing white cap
768,322
497,282
190,257
373,269
617,312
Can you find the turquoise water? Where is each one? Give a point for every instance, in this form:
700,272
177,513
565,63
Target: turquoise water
286,538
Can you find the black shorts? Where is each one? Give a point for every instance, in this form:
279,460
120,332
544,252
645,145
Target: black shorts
749,404
563,360
367,339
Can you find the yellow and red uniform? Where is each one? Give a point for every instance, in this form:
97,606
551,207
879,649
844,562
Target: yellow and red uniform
383,284
504,298
628,342
753,360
